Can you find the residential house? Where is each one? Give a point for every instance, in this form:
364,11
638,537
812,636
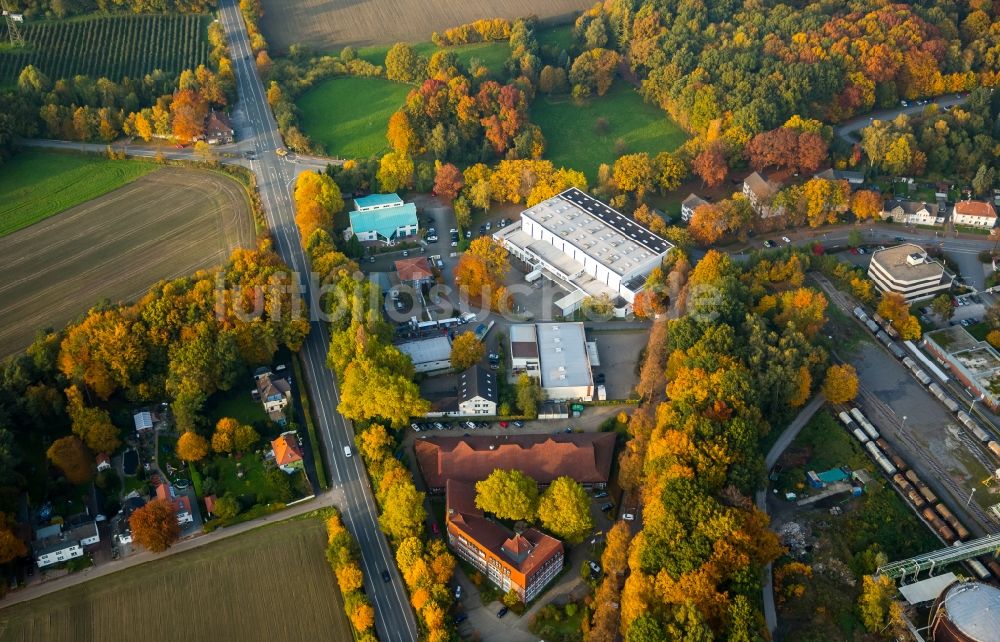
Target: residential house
974,214
414,271
120,527
218,129
182,504
53,544
382,218
287,452
274,393
143,421
689,205
912,212
103,462
854,179
477,392
760,192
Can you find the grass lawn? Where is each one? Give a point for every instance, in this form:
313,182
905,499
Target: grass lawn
573,140
35,184
228,590
349,115
556,38
236,403
254,481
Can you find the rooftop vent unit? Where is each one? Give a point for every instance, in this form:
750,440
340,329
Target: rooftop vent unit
916,258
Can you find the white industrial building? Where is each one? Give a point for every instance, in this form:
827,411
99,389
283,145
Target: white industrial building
586,246
906,269
558,355
428,355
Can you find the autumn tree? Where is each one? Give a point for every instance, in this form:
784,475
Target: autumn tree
402,63
875,604
400,134
349,577
668,171
92,425
72,458
403,511
188,111
466,350
528,394
866,204
317,198
840,384
508,494
11,546
707,224
710,165
395,172
943,306
227,506
192,447
564,510
154,525
593,71
482,269
894,308
633,173
614,559
448,180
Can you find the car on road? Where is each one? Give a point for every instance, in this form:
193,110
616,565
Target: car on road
347,451
786,239
406,252
432,238
453,231
899,239
458,591
454,243
606,507
385,575
595,568
281,151
568,429
502,612
768,243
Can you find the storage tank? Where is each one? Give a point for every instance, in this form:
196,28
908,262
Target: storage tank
966,612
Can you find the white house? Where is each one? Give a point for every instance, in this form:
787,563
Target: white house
477,392
53,545
912,212
975,214
689,205
274,394
760,192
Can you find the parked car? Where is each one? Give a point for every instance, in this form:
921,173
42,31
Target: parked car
468,234
406,252
502,612
504,424
518,424
371,259
599,379
606,507
595,568
458,591
461,617
601,495
438,425
628,517
385,575
489,226
432,238
416,427
786,239
470,425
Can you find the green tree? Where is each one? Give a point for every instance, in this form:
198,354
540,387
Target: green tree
402,63
227,506
943,306
529,395
564,509
508,494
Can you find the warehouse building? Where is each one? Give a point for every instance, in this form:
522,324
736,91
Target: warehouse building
906,269
586,246
557,354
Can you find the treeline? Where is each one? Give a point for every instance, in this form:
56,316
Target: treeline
344,556
101,110
960,142
426,565
741,359
38,9
376,379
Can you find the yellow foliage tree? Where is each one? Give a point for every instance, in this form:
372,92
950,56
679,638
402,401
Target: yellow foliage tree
362,616
192,447
466,350
841,383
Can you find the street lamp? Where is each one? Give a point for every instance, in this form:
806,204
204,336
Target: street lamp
974,400
969,501
902,425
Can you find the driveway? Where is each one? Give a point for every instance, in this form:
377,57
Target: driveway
850,130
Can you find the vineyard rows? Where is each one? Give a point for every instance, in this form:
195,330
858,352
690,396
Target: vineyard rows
114,47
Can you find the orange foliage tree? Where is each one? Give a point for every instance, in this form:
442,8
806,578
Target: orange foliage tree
154,525
188,111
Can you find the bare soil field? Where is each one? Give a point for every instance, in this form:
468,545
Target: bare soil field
166,224
331,24
272,583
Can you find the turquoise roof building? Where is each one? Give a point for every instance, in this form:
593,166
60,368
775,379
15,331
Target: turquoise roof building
383,217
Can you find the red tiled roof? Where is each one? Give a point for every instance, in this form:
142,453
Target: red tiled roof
103,458
584,457
210,504
163,492
523,552
414,269
975,208
286,450
184,504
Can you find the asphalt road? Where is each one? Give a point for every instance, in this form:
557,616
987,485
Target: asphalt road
850,129
394,620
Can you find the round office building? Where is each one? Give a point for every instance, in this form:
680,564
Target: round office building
967,612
